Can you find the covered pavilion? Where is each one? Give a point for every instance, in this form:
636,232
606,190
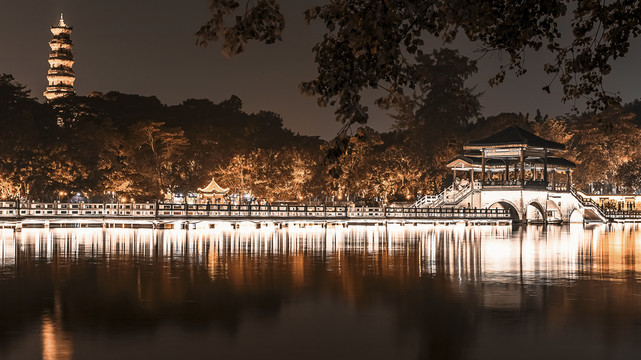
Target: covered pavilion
514,157
213,192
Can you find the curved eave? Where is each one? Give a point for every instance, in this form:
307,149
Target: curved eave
514,137
462,162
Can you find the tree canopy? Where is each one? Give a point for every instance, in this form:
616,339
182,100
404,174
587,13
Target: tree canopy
376,44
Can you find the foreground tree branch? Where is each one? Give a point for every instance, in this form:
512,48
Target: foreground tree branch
372,44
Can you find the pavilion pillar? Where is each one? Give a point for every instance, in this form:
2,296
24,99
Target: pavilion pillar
454,176
569,179
472,178
545,166
522,160
553,179
482,164
507,171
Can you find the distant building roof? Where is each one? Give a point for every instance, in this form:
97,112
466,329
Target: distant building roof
213,188
514,136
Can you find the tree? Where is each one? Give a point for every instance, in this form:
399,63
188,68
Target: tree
351,172
28,162
629,174
155,152
374,44
441,104
600,144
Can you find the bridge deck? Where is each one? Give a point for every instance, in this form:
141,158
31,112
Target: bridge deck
159,213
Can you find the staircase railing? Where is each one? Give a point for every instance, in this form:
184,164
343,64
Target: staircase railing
451,195
456,195
424,201
589,203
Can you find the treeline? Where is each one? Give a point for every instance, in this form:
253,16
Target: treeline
115,144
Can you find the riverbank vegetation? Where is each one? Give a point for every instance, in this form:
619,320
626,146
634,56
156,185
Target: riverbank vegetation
114,144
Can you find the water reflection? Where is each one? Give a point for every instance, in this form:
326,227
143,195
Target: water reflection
379,292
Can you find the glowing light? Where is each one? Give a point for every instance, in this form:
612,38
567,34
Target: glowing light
123,199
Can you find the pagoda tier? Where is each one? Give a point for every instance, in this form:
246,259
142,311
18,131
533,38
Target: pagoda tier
60,76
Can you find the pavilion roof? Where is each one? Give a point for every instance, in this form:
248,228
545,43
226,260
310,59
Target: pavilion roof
213,187
557,162
514,136
476,161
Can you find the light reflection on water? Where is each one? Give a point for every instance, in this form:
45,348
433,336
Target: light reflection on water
379,292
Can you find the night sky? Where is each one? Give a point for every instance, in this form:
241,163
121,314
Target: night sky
148,47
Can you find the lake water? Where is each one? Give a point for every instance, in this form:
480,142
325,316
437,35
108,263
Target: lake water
432,292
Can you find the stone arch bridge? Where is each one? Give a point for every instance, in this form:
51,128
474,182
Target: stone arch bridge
528,202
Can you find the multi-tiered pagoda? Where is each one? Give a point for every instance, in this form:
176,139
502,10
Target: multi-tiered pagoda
60,75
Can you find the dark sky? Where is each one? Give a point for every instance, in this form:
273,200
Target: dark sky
148,47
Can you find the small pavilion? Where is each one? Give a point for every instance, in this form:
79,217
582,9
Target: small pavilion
213,192
513,157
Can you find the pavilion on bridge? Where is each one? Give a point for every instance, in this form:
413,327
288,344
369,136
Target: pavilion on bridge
513,157
213,192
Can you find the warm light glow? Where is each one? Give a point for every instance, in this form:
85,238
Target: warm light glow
123,199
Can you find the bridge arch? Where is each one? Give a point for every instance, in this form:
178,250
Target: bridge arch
531,211
554,211
509,206
576,216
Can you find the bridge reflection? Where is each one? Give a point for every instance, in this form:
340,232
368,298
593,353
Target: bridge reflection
465,254
441,281
470,254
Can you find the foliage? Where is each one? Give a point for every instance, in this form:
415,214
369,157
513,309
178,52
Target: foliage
127,145
375,44
441,104
604,146
629,174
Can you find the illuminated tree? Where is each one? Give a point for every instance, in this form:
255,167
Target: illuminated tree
27,164
155,151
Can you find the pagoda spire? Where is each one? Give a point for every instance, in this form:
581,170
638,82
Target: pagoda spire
60,75
61,23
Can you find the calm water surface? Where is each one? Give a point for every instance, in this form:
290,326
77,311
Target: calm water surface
356,293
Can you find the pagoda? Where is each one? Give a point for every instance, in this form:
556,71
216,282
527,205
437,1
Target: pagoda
60,75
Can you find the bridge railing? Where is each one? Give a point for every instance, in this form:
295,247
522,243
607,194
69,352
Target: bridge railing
623,215
560,187
14,210
511,183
